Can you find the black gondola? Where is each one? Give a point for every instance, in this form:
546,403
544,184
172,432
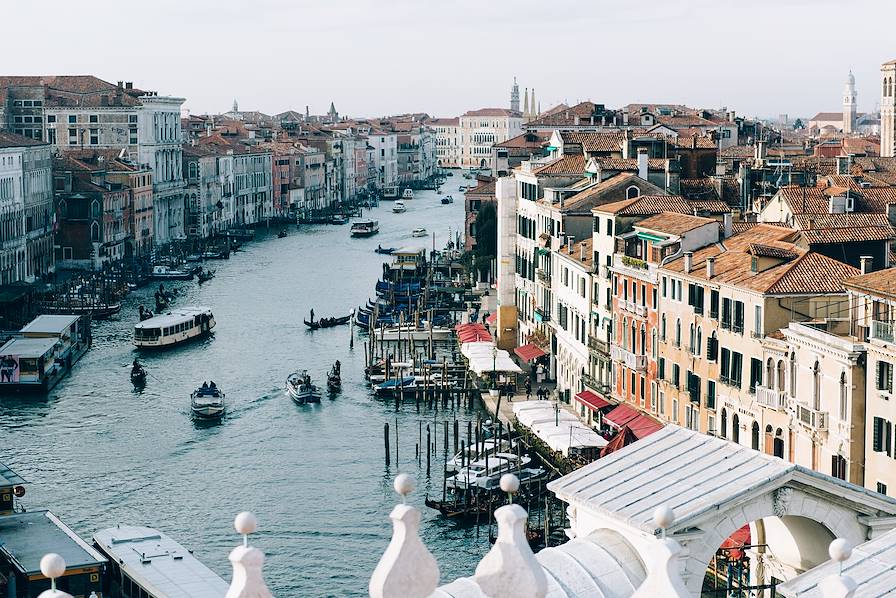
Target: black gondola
327,322
205,275
281,234
138,374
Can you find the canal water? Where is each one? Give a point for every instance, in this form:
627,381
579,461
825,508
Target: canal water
98,453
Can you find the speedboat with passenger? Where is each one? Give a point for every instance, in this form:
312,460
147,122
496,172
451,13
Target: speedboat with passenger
300,389
207,402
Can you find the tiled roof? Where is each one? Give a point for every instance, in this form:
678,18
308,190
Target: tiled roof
648,205
838,116
882,282
684,120
580,250
808,273
8,139
492,112
630,164
568,164
760,250
598,141
483,188
609,190
526,141
853,234
673,223
694,142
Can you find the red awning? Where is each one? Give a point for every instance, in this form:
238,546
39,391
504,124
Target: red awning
528,352
586,397
492,318
735,543
621,416
624,438
472,333
643,426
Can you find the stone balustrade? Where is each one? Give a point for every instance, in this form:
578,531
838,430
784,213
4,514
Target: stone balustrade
510,569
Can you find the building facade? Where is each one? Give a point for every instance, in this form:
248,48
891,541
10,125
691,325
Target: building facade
888,109
480,129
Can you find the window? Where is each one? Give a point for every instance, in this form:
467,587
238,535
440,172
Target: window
72,119
94,136
692,338
792,375
736,375
735,428
73,136
676,374
725,366
755,374
694,384
664,286
695,297
882,436
712,347
816,386
754,436
738,316
726,314
663,328
132,118
757,321
93,118
723,426
884,376
661,368
132,136
674,414
838,467
94,232
596,227
710,394
51,118
844,408
677,333
714,304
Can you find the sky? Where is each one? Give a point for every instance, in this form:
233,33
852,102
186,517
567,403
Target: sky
379,57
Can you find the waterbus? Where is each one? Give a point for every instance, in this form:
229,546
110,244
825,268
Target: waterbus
177,326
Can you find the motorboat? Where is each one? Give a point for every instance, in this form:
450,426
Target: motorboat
485,473
399,207
338,219
407,193
300,389
390,192
384,250
415,333
365,228
447,200
169,273
461,188
390,387
207,402
175,327
419,232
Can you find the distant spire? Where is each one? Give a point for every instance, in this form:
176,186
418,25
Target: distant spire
532,105
515,96
236,107
526,103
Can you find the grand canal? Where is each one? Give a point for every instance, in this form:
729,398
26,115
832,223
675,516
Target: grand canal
98,453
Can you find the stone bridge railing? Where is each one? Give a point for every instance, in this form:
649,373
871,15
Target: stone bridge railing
408,570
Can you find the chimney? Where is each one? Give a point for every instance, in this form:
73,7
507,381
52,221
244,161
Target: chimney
581,252
120,84
865,262
129,85
726,225
760,151
642,162
569,241
688,259
710,267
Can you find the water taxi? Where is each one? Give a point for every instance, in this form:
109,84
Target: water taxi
419,232
177,326
207,402
169,273
144,562
447,200
365,228
408,194
300,389
399,207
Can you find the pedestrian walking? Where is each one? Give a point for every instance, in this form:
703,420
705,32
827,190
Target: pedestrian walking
528,388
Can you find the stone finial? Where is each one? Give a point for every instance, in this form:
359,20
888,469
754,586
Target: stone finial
663,573
838,585
407,568
53,567
510,570
247,562
510,484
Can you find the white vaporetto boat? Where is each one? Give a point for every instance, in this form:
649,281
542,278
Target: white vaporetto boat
207,402
177,326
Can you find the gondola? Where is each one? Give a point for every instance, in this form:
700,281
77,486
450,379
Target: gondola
328,322
281,234
384,250
138,376
205,275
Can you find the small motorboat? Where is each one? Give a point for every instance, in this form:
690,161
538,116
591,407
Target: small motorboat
281,234
447,200
339,219
384,250
207,402
399,207
168,273
138,374
300,389
419,232
407,193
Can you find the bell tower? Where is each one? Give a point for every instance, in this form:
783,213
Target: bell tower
888,109
849,105
515,96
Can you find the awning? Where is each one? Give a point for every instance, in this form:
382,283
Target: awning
492,318
735,543
643,426
622,439
528,352
586,397
621,415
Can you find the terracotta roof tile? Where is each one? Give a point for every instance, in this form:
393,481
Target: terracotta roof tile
882,282
8,139
673,223
568,164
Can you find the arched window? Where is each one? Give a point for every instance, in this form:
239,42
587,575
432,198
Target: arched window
735,428
843,398
193,170
780,385
643,346
625,344
778,445
769,440
678,333
770,373
95,209
723,427
94,232
663,328
654,344
692,338
634,347
697,348
632,192
793,375
816,386
755,436
63,208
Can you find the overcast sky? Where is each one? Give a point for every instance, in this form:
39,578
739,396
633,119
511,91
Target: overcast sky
374,57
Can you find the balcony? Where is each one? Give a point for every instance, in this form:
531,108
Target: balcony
771,398
542,315
633,362
543,275
882,331
593,383
631,266
817,420
596,344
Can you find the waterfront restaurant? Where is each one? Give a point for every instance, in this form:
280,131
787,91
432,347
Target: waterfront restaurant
43,352
26,537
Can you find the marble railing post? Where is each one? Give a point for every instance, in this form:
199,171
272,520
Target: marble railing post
53,566
407,569
247,562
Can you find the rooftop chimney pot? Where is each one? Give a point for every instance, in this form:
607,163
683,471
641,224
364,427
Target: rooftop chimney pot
688,260
865,262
